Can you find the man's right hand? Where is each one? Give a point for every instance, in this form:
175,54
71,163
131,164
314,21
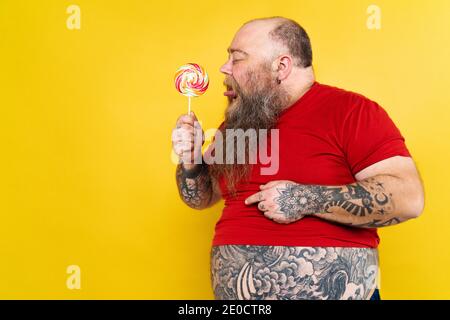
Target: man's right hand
187,140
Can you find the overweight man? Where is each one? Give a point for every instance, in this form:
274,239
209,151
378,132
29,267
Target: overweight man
307,229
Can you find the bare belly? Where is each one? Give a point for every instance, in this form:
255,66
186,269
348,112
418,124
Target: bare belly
293,273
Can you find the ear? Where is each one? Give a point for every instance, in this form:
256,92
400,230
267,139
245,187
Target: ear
283,67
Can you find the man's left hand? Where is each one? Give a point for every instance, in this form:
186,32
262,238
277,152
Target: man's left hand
271,202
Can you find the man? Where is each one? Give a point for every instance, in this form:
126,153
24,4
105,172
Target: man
309,230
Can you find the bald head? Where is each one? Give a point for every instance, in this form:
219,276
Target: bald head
273,36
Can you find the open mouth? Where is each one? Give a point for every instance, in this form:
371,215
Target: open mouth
230,93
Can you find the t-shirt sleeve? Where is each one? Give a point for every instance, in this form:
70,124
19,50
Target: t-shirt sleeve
370,135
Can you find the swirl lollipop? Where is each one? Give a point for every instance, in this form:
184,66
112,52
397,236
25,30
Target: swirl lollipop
191,80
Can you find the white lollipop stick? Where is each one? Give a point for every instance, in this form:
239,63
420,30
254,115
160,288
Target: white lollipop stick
189,105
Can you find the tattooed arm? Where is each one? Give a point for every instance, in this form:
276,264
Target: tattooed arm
387,193
196,187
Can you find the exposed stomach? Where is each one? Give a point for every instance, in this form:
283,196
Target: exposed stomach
240,272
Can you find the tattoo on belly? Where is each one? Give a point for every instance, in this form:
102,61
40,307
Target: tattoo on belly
292,273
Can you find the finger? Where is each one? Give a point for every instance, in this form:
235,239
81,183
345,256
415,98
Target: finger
268,185
193,119
199,136
186,127
182,119
183,131
187,146
183,147
185,141
269,215
180,134
185,136
254,198
281,218
276,217
193,116
185,119
263,206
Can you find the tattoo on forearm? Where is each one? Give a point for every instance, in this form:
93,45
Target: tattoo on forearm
377,223
293,273
360,199
196,191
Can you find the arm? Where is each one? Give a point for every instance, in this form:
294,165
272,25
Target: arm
386,193
196,187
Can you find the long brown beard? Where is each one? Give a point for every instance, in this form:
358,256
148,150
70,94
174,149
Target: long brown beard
257,110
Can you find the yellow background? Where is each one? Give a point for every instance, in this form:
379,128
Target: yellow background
86,120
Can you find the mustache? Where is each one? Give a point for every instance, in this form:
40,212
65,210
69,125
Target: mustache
231,83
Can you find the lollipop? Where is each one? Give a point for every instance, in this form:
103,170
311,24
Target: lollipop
191,80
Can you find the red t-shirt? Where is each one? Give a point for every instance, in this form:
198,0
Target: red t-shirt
325,138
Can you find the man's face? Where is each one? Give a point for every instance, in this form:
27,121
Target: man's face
255,99
249,61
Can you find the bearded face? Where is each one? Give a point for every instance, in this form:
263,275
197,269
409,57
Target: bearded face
255,104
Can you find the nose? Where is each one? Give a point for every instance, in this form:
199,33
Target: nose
226,68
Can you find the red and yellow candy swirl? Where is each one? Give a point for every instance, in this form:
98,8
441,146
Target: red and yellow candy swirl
191,80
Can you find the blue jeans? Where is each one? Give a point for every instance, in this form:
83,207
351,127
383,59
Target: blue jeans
376,295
